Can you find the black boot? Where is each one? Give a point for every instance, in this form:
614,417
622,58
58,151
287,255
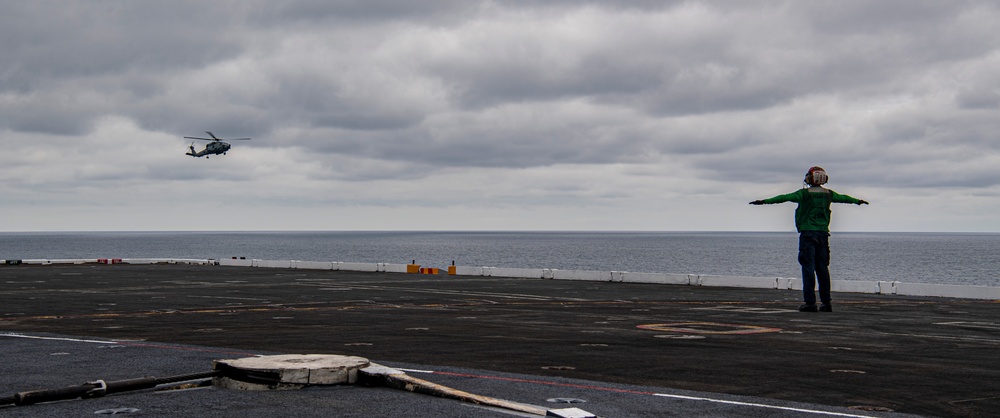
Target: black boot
808,307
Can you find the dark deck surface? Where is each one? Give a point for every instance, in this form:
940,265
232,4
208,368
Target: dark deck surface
927,356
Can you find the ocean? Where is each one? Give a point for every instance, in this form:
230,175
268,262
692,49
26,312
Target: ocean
940,258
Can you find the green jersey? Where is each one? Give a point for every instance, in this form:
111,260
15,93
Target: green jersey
813,213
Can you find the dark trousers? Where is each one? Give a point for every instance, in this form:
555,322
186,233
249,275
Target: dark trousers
814,256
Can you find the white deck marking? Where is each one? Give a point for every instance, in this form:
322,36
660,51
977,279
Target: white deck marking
35,337
760,405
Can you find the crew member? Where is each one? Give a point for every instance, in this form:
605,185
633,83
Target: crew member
812,220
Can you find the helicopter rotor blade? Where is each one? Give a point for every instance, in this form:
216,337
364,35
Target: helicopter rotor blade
215,138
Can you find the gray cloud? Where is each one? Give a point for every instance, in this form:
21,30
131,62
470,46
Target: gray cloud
555,104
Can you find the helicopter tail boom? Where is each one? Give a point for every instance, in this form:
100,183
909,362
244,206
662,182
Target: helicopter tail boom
193,153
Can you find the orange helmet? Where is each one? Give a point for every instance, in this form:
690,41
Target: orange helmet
816,176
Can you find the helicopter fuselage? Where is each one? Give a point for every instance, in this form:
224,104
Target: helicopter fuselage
212,148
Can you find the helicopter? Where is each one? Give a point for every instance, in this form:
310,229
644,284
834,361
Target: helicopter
217,146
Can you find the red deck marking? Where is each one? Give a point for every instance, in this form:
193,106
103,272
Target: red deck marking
708,328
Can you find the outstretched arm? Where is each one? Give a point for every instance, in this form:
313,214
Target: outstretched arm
781,198
843,198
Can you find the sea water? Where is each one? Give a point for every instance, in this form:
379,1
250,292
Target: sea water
940,258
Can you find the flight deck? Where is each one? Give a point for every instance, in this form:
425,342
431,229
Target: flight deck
620,349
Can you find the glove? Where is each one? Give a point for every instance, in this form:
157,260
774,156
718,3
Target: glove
861,202
761,202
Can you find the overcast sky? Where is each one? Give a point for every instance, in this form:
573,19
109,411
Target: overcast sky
505,115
